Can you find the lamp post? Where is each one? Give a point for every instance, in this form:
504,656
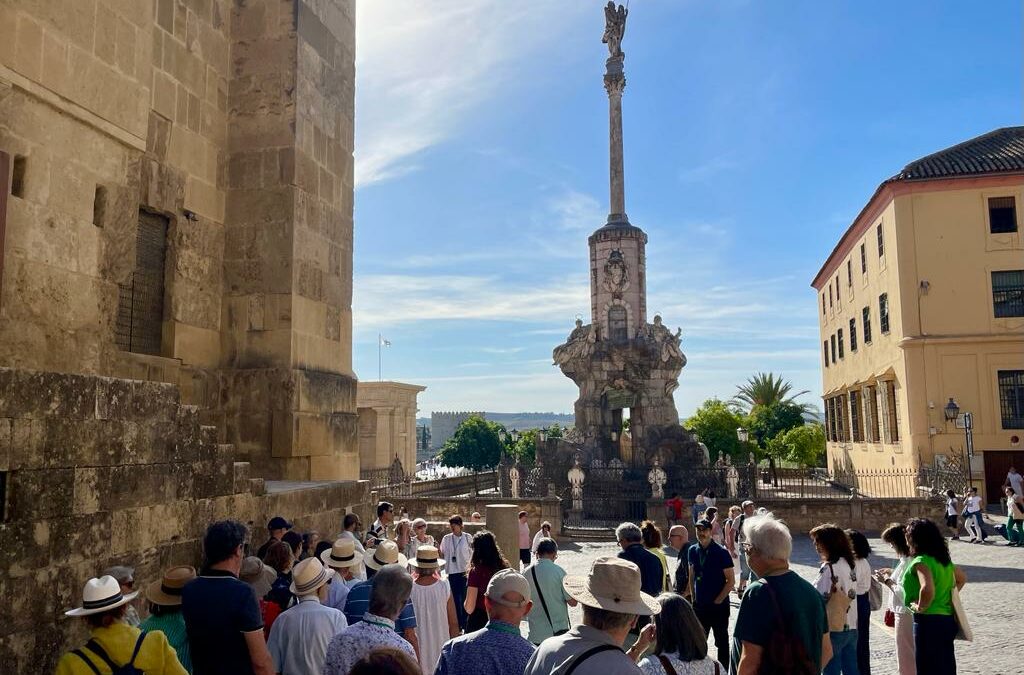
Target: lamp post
742,435
952,413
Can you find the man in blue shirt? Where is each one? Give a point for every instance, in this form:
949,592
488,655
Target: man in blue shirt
652,574
498,648
711,581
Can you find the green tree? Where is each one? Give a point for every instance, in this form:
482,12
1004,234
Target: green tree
768,421
766,389
715,423
804,445
525,449
475,445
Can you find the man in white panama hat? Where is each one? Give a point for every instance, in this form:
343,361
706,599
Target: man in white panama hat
612,603
344,560
112,642
299,637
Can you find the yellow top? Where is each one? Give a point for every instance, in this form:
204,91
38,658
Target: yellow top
156,656
664,567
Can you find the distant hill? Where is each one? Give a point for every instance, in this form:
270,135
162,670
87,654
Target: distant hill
522,420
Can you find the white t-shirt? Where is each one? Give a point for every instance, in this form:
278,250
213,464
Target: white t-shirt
951,506
456,551
863,570
973,504
845,584
1016,482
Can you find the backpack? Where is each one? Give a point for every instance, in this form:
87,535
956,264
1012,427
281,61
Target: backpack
784,654
126,669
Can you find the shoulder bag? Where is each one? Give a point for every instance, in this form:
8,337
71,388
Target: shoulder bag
837,604
586,655
1017,510
544,604
963,628
876,596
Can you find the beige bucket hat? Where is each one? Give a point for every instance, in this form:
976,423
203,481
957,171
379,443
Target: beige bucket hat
341,554
167,591
614,585
386,553
99,595
309,575
427,557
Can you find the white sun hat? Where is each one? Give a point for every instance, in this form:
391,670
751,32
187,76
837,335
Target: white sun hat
99,595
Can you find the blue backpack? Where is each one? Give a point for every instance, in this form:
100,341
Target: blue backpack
127,669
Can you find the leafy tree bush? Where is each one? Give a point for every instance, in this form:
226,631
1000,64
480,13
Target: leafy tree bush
475,445
804,445
715,423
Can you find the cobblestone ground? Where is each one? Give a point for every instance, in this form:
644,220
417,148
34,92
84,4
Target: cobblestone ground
994,593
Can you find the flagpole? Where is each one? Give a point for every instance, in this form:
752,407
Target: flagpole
380,361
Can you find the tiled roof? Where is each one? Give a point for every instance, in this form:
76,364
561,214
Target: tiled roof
997,151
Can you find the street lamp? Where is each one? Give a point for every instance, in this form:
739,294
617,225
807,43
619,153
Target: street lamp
952,410
502,436
742,434
543,435
515,435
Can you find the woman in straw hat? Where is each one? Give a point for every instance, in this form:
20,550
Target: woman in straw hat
680,646
165,610
112,642
431,597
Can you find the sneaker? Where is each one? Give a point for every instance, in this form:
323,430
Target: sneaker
955,538
972,540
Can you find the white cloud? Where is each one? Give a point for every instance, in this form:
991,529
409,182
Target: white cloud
422,67
502,350
577,211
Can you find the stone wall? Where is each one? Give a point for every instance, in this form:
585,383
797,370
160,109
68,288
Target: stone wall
102,471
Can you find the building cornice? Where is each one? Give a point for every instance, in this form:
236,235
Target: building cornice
913,341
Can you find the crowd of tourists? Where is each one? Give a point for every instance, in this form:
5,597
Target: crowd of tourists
392,600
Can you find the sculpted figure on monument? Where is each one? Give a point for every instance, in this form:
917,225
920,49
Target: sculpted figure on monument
614,28
616,275
580,344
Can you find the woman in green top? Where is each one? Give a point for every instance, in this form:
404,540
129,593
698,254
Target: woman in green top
165,610
928,590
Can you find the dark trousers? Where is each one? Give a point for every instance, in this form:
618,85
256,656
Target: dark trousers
524,556
457,582
933,644
863,624
716,618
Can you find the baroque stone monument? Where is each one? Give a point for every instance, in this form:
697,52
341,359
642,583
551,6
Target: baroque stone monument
620,361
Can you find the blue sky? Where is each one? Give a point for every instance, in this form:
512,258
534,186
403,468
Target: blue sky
754,133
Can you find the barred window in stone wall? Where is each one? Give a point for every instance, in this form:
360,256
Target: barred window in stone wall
883,312
1002,215
872,412
858,431
866,319
1008,293
1011,398
140,309
853,335
843,417
893,417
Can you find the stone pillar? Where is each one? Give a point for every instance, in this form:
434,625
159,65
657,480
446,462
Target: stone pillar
503,522
615,83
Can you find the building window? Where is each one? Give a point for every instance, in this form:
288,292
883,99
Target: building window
872,415
843,416
849,273
883,313
1002,215
893,421
866,321
839,339
140,309
833,343
881,241
18,176
1008,293
858,432
853,335
1011,398
830,296
824,348
837,289
823,304
828,421
617,328
863,259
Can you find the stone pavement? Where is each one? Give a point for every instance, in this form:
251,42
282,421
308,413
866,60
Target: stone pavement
994,592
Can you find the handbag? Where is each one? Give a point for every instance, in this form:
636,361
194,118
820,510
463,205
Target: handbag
837,605
890,618
876,596
963,628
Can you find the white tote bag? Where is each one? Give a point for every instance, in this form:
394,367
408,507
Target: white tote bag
964,631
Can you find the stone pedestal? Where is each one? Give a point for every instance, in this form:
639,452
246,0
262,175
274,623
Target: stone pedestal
503,522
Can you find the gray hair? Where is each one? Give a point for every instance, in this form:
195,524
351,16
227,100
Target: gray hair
769,536
546,546
389,591
628,532
120,572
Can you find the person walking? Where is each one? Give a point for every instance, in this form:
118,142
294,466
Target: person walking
1014,517
674,509
112,642
525,543
258,575
746,574
837,584
497,649
545,579
457,550
952,513
928,585
652,542
681,581
280,597
299,638
343,559
487,559
698,508
862,571
358,601
717,531
677,536
419,538
973,522
222,617
631,540
680,647
431,597
712,578
164,596
780,612
543,533
612,602
390,589
903,618
1015,481
729,532
276,527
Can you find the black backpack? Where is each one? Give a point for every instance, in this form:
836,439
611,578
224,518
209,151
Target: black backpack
127,669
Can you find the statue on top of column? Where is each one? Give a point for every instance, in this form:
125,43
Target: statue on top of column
614,28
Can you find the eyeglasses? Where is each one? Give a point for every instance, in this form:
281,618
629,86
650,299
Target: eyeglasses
747,548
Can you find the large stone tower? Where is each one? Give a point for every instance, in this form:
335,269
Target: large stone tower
619,361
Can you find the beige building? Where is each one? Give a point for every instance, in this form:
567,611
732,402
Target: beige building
180,210
387,424
922,300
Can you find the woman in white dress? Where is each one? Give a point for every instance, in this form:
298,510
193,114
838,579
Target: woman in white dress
680,642
431,598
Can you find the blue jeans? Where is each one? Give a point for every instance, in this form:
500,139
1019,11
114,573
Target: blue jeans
978,523
933,644
457,582
844,654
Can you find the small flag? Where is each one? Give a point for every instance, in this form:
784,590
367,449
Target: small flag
384,342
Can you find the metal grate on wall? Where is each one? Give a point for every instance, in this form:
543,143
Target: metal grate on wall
140,309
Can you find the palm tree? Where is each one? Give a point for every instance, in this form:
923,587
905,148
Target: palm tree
766,389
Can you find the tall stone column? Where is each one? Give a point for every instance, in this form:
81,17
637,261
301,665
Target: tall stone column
503,522
615,83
